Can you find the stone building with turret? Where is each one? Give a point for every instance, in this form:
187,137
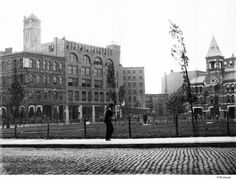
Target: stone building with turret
215,90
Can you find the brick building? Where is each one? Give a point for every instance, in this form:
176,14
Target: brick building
134,82
85,68
215,90
43,79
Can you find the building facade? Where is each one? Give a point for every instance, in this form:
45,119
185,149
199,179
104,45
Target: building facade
43,79
215,90
86,71
174,80
134,82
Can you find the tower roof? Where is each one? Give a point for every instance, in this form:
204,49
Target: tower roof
32,16
214,49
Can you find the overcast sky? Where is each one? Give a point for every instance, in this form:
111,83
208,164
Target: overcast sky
140,27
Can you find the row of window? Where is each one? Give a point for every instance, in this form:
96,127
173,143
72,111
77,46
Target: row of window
132,71
73,82
85,71
87,60
216,88
134,78
133,84
87,96
86,48
212,100
43,64
134,91
45,95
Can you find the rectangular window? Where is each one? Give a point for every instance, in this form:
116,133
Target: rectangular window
134,71
134,91
134,78
69,69
85,71
102,96
76,95
134,98
98,84
129,78
51,48
73,82
75,70
140,83
141,91
86,83
97,72
83,95
70,95
134,83
140,77
107,96
124,78
140,71
95,96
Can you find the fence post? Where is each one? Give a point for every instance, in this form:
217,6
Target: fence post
176,125
84,121
130,127
227,121
48,121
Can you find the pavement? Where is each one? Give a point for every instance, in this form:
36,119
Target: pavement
122,143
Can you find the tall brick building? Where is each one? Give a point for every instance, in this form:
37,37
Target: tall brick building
134,82
43,79
84,66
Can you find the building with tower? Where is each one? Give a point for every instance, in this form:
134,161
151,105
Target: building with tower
85,71
215,90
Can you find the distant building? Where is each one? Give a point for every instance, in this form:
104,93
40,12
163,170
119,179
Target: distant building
43,79
215,90
134,82
171,82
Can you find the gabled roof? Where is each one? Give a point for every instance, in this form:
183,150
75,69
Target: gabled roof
214,49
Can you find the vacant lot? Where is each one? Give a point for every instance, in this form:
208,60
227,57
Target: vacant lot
138,130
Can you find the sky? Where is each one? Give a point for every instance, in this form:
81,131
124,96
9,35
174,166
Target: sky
140,27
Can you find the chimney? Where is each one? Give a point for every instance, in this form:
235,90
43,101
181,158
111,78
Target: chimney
171,71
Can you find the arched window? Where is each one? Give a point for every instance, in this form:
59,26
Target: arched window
44,64
31,63
54,66
98,61
60,66
86,59
38,64
109,62
73,57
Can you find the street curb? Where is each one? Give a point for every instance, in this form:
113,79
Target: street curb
85,146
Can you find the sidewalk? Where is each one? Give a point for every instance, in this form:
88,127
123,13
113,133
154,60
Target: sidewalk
122,143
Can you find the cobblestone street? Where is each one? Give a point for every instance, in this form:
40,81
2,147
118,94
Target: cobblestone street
203,160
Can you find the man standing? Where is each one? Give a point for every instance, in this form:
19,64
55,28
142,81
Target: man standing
107,120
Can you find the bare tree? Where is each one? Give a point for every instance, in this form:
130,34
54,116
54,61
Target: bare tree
178,51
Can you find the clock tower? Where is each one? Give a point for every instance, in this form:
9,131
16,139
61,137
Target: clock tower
32,32
214,64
